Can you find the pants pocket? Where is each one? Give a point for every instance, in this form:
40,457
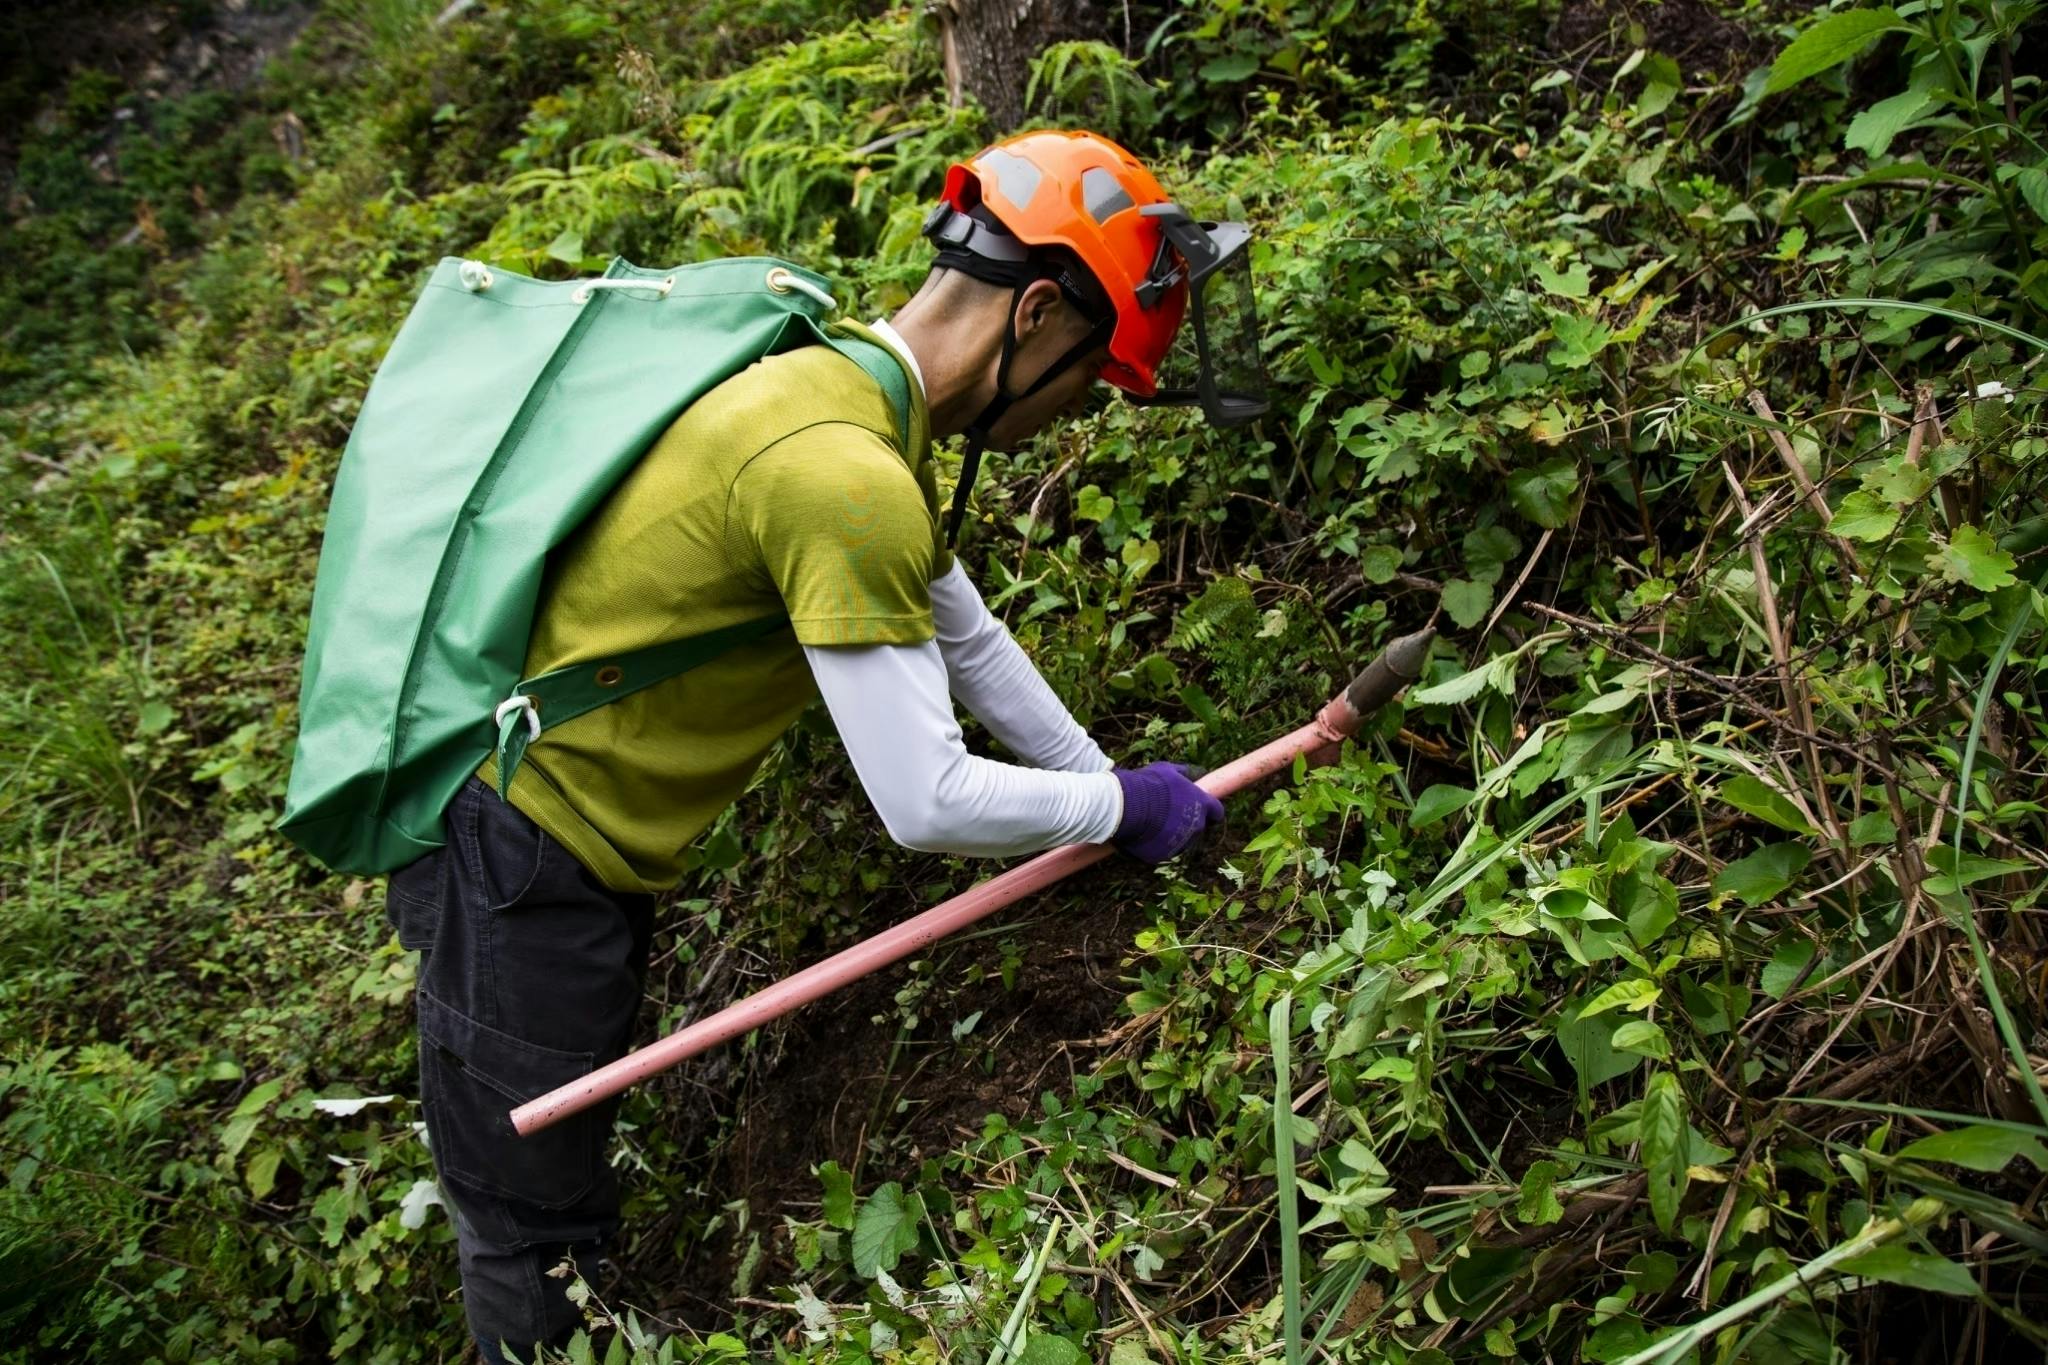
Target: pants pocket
413,898
471,1077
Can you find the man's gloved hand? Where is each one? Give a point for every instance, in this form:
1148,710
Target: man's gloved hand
1164,811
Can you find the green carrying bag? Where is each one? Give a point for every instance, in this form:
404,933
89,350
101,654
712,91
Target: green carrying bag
505,411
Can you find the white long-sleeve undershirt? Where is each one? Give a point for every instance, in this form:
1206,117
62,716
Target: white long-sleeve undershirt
892,707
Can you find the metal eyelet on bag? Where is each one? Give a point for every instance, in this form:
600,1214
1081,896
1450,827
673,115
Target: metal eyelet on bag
611,675
475,276
782,281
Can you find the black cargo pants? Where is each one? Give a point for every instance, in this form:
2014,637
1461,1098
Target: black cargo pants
530,975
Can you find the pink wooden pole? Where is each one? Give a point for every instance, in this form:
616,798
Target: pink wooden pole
1400,663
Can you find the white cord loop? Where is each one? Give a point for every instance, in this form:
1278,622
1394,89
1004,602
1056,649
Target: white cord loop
782,281
583,291
475,276
516,702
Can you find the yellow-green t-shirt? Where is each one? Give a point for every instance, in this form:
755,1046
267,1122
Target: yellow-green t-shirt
786,489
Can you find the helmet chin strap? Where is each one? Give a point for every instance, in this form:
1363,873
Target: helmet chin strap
976,435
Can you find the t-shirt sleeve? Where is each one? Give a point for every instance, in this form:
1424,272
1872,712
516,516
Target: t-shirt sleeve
833,518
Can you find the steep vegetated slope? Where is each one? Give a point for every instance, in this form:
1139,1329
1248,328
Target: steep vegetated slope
1660,981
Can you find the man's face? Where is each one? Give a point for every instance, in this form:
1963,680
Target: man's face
1060,401
1048,326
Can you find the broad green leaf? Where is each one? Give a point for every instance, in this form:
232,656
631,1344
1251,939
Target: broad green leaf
1538,1203
1587,1046
1872,827
1763,874
1643,1037
1436,802
886,1228
567,247
1872,130
1913,1269
412,1210
1573,283
1579,339
1466,601
257,1100
1044,1349
1487,552
1979,1147
1829,43
838,1195
1664,1147
1864,516
1971,868
1496,673
1787,964
2033,185
156,718
1379,563
1235,66
1746,793
1973,557
262,1172
1626,995
1544,494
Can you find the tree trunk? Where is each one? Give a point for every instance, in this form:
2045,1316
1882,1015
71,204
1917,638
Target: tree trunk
990,43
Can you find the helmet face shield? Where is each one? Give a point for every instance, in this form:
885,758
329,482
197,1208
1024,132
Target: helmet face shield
1214,363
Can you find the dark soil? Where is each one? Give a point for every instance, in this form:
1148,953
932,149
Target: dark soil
844,1081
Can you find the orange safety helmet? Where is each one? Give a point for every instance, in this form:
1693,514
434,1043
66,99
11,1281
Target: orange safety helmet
1152,265
1077,190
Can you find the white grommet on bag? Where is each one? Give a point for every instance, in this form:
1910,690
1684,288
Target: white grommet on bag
475,276
516,702
661,286
782,281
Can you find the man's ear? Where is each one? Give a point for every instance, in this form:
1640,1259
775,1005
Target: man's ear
1042,306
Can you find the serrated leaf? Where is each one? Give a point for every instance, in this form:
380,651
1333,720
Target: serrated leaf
1573,283
1436,802
1914,1269
1538,1203
1979,1147
1746,793
1872,130
1864,516
838,1195
1497,673
412,1210
1487,552
885,1229
1763,874
1829,43
1045,1349
2033,187
1543,494
1467,601
1971,556
1379,563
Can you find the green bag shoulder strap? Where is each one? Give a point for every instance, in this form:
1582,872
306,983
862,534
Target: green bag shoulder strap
540,703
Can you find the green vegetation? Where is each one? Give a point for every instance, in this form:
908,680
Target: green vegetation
1660,982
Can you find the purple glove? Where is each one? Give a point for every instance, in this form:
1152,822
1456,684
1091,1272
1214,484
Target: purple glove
1164,811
